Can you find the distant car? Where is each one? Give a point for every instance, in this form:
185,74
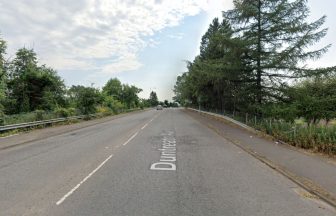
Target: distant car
159,107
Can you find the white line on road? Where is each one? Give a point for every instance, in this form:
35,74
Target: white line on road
132,137
153,118
80,183
143,127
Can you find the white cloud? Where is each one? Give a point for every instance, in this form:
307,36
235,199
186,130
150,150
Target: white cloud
124,63
178,36
71,34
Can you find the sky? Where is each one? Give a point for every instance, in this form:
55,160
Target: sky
141,42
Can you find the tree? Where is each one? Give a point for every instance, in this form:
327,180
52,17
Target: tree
277,36
2,74
183,90
3,48
153,99
113,87
166,103
52,89
22,68
85,98
113,104
219,77
130,95
315,99
31,86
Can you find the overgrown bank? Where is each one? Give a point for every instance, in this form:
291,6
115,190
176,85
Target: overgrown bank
315,137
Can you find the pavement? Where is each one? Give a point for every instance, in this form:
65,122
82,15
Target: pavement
163,162
315,170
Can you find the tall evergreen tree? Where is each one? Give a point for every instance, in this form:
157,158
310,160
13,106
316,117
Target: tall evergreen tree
277,36
153,99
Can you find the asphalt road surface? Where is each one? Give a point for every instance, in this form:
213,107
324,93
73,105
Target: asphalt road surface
145,164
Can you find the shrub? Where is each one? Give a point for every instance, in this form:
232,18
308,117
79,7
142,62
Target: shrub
104,110
39,115
62,112
2,119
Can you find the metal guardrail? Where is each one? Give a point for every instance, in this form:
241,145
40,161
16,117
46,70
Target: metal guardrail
49,121
226,118
43,122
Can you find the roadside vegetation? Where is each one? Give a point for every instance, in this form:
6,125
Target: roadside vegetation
252,66
32,92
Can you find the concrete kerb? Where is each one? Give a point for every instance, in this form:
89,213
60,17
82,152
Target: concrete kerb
305,183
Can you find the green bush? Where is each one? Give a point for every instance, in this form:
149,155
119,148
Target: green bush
62,112
319,138
104,111
2,119
315,137
39,115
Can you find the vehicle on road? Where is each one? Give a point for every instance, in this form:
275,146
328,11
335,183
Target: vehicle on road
159,107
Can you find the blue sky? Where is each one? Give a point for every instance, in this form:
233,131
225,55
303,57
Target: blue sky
141,42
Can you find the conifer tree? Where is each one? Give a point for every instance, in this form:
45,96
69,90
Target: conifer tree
277,36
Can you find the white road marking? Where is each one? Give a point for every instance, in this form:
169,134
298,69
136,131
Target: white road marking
84,180
143,127
168,153
132,137
152,118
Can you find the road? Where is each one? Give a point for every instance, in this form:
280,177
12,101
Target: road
145,164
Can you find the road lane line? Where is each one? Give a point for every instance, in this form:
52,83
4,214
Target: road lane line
84,180
152,119
143,127
132,137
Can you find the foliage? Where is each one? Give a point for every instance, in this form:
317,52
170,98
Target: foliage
316,137
248,60
103,110
153,99
126,94
32,87
113,104
253,62
30,92
277,36
85,98
65,112
130,96
316,99
39,115
2,75
113,88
